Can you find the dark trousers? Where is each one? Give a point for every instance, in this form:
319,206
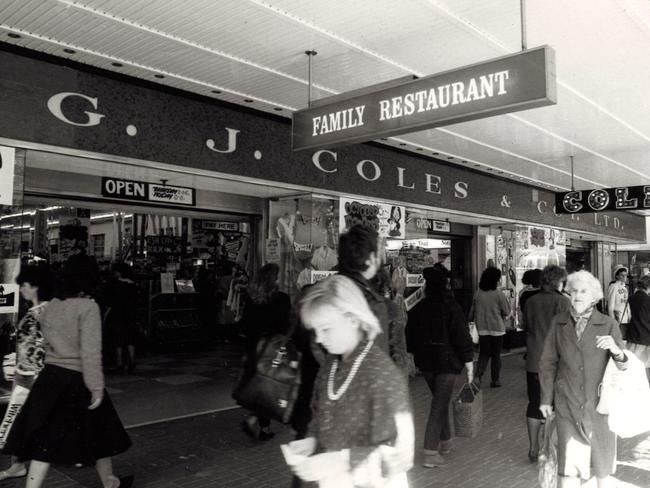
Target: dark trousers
489,350
441,386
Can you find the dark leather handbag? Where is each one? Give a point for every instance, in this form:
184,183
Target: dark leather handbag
270,389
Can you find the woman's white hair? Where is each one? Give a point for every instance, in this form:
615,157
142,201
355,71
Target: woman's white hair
344,295
585,278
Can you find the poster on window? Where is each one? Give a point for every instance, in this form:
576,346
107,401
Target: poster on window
7,163
388,220
73,232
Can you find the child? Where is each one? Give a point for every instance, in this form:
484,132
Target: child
362,432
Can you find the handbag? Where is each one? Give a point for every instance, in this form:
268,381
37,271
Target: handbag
547,460
272,388
468,411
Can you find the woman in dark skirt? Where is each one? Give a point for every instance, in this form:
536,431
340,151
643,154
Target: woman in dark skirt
68,417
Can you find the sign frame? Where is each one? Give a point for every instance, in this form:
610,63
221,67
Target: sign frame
620,198
532,85
145,190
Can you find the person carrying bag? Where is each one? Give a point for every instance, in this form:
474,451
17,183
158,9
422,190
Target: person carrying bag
270,361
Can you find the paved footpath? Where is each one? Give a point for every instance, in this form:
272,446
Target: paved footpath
211,451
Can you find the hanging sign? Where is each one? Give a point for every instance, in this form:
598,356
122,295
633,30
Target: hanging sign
508,84
7,163
147,192
601,199
222,226
432,226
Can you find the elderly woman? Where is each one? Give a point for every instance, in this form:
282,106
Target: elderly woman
576,351
362,433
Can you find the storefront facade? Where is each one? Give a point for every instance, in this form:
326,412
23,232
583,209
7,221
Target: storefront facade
174,183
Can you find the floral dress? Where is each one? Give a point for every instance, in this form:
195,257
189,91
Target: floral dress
30,344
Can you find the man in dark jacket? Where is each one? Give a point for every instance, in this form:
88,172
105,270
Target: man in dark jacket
638,332
359,260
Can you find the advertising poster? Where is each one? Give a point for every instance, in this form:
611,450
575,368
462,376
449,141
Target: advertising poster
272,250
387,220
73,232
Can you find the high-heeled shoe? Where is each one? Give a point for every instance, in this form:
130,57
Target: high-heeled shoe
126,481
533,456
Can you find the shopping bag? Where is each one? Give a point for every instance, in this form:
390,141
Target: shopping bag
272,388
16,402
468,411
625,397
547,460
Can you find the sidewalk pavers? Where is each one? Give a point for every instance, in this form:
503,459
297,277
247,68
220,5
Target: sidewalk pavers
212,451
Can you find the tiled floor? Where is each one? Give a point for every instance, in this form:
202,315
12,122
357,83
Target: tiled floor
175,385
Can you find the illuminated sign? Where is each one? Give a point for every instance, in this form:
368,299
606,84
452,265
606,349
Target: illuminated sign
507,84
601,199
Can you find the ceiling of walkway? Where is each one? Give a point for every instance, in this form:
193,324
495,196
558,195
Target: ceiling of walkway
251,52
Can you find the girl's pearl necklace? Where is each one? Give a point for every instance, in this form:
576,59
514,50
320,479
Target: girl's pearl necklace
353,371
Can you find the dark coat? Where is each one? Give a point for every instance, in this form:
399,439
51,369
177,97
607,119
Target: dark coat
265,319
438,336
570,372
538,315
377,304
638,332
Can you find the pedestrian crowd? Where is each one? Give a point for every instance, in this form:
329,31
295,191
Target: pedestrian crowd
357,345
361,345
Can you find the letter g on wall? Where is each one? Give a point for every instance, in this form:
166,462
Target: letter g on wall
54,105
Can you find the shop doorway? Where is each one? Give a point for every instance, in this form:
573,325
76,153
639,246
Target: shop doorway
407,259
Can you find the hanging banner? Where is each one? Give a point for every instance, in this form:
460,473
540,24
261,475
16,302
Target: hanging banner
601,199
387,220
507,84
147,192
7,163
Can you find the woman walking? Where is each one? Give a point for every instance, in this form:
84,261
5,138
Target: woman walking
539,312
438,336
68,417
35,282
490,310
575,354
120,316
362,432
266,313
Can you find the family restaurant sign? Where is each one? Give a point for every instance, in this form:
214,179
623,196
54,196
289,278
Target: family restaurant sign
587,201
146,123
508,84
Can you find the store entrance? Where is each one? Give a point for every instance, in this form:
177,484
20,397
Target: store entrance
407,258
187,269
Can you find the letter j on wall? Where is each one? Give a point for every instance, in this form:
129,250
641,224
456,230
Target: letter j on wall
507,84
